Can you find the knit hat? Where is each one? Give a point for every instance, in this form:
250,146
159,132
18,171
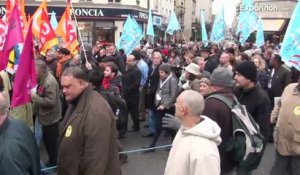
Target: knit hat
222,77
247,69
165,67
193,69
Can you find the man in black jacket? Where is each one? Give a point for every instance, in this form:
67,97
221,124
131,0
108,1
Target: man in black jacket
152,86
280,77
250,94
113,56
131,84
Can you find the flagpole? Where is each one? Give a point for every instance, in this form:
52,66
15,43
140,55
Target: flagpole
80,37
183,35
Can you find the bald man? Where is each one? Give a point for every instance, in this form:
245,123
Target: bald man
18,150
195,147
131,83
225,61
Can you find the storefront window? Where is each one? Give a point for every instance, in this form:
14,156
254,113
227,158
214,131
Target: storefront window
86,30
105,32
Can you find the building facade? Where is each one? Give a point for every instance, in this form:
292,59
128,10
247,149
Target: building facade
98,20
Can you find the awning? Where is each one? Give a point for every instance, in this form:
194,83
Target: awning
273,25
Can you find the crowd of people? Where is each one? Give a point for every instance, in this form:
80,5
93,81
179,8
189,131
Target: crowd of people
81,106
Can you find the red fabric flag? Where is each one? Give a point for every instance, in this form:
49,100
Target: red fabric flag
47,36
14,36
25,78
67,31
36,18
2,33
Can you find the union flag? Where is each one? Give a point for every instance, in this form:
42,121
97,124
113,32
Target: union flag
67,31
47,36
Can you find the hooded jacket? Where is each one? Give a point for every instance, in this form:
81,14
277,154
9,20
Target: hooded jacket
195,150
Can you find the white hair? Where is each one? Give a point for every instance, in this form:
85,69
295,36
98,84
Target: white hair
194,101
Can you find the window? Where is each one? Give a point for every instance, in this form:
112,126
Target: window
118,1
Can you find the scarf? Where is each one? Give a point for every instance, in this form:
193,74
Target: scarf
106,82
60,65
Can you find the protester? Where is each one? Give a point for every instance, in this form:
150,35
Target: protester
262,75
63,56
88,138
192,75
194,150
47,109
131,83
204,86
286,117
112,82
18,151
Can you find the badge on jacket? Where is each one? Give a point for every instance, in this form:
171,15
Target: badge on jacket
69,131
297,111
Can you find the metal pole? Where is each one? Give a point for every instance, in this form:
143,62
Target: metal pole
88,65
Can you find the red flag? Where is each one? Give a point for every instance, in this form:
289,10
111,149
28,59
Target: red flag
2,33
67,31
36,18
14,36
25,78
47,36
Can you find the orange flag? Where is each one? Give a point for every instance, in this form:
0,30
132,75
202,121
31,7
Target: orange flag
67,31
23,17
47,36
36,18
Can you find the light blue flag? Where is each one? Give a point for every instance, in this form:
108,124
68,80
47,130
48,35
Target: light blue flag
53,20
290,49
260,40
203,30
247,20
150,30
218,30
173,24
131,35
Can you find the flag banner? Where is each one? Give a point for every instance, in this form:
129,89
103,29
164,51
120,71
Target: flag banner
25,78
173,24
14,31
53,20
260,40
2,33
247,21
218,30
67,31
131,35
47,36
150,29
290,48
36,18
203,30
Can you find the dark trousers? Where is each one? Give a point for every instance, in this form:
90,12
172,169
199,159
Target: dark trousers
133,109
286,165
160,115
50,138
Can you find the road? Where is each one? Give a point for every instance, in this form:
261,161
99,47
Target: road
154,163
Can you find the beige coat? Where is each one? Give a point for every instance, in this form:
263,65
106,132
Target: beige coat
287,130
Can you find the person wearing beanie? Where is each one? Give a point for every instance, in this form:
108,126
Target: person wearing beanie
221,83
165,98
251,94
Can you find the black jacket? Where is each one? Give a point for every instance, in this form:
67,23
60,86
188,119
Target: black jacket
280,79
131,83
118,60
19,153
211,64
258,105
152,85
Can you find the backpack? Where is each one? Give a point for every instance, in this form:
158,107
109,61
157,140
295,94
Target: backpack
118,106
246,145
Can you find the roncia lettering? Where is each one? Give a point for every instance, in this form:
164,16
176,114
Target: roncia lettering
88,12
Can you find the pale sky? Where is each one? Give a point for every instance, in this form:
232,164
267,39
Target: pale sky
229,9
